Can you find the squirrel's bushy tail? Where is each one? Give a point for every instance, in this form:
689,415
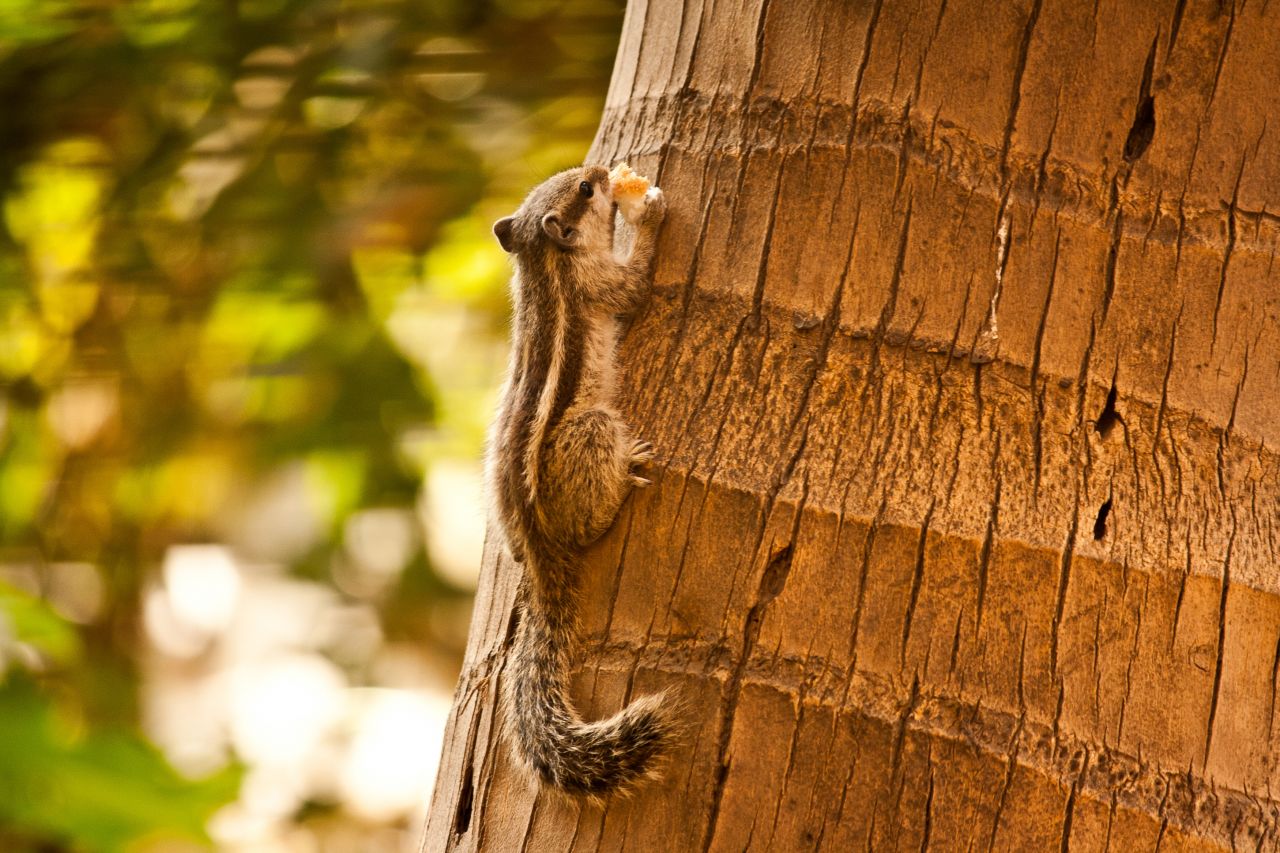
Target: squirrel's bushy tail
577,757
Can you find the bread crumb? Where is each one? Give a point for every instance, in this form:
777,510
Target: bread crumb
629,188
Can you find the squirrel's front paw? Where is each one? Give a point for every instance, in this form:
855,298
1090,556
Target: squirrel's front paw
655,207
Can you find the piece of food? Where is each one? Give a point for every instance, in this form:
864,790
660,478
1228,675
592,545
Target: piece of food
629,189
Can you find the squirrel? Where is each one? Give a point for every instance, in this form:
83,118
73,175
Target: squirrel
560,463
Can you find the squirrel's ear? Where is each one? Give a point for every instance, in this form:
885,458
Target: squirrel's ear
502,230
561,236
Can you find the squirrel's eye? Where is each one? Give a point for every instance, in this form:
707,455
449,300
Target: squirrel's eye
585,189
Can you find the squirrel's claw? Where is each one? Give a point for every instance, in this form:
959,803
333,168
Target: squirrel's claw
641,452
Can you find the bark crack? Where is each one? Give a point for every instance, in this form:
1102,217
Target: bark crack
1015,97
1222,645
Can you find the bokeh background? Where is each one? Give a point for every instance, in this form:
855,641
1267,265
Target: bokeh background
252,320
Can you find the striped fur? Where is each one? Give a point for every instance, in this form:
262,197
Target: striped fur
560,464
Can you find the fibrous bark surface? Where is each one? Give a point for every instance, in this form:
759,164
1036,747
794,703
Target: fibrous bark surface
963,367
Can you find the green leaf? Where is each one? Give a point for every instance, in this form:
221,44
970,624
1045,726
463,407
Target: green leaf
102,790
30,620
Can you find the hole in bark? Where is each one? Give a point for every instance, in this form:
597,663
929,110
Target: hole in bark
513,625
1144,120
1100,524
462,817
775,575
1107,421
1143,130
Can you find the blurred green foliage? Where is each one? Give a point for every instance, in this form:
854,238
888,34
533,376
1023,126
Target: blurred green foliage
233,237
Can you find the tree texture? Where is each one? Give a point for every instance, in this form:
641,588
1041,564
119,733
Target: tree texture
961,364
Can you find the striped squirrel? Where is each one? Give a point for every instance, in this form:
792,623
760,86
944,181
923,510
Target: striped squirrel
560,462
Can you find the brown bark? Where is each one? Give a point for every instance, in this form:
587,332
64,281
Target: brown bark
963,365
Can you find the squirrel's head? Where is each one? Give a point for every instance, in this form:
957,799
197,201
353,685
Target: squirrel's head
569,212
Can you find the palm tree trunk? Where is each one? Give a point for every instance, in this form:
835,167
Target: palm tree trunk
963,367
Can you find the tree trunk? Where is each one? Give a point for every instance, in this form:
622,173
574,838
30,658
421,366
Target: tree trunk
962,363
